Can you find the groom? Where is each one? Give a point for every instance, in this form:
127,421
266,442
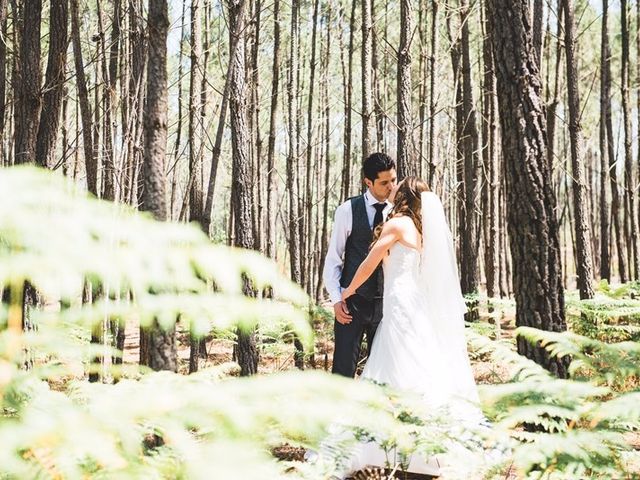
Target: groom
352,234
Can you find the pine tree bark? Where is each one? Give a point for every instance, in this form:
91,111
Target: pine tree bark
3,74
490,160
28,86
196,206
432,94
613,175
377,72
195,158
292,154
366,67
247,351
273,115
293,174
638,115
324,241
630,224
176,148
553,104
308,196
90,154
108,94
422,85
216,151
135,99
533,227
348,92
605,261
54,83
538,14
406,157
256,139
469,259
162,343
583,242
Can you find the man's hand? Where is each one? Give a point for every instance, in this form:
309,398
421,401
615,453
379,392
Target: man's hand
342,313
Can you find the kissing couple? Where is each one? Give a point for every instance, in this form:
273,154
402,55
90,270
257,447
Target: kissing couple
392,276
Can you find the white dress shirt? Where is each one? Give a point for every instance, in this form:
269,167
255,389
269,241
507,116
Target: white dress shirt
334,261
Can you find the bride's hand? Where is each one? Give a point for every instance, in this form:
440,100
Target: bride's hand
346,293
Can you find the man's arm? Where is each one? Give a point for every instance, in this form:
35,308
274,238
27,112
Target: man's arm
334,262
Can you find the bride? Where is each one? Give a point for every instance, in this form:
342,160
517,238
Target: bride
420,344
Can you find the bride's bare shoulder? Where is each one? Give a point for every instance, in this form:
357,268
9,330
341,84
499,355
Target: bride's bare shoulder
400,221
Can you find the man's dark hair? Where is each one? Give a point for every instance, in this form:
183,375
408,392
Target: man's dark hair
376,163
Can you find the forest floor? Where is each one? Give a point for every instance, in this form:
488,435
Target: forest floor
279,356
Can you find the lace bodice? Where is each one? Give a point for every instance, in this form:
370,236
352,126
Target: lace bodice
401,270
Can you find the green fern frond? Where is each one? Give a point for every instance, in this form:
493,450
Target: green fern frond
575,452
610,362
502,353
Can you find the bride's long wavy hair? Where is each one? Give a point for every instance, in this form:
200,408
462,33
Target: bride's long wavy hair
407,203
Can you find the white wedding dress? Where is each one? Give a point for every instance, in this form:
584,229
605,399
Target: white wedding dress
420,344
405,352
408,352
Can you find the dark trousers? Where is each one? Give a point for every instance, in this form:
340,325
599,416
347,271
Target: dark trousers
348,338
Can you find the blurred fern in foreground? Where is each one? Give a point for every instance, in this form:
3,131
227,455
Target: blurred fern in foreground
567,428
154,425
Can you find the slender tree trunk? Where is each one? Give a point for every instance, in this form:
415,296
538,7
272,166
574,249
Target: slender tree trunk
505,270
377,74
583,242
605,261
217,147
533,227
256,140
613,175
292,158
638,113
176,149
201,350
432,94
271,165
421,28
3,74
96,122
455,52
324,239
111,97
367,60
308,197
553,106
346,170
108,170
135,99
538,14
53,84
469,259
292,162
89,294
490,160
240,189
195,106
28,87
67,168
162,343
90,154
407,165
630,225
196,75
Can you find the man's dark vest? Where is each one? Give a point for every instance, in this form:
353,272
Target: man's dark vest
357,249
